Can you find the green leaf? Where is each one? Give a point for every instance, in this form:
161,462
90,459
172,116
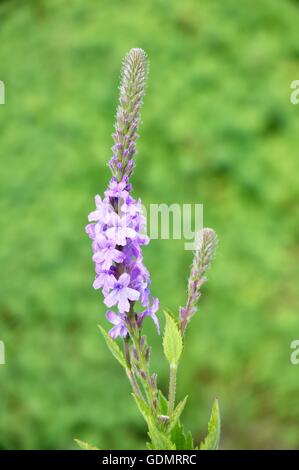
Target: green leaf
114,348
163,403
143,408
159,439
189,441
172,341
85,445
177,413
179,437
170,313
211,442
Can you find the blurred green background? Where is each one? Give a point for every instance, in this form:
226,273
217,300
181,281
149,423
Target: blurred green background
218,129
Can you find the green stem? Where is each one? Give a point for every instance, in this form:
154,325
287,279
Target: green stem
127,353
147,379
172,389
134,384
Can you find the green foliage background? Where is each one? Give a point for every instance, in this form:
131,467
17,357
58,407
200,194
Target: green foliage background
218,129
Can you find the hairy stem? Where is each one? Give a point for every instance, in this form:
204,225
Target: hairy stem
142,373
172,389
146,378
130,374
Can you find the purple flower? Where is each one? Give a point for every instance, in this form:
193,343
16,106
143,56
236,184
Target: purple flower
90,230
121,294
132,251
117,189
151,312
129,206
140,280
120,327
107,253
119,230
104,280
102,211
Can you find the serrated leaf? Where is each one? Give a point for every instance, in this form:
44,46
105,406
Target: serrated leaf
159,439
144,409
177,413
181,440
172,341
211,442
189,441
149,446
163,403
85,446
113,347
178,437
167,310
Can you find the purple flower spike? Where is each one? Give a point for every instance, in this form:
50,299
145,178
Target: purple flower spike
117,225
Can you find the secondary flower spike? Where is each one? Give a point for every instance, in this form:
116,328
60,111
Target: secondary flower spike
117,224
206,246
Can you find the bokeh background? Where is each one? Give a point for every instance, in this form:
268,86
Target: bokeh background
218,129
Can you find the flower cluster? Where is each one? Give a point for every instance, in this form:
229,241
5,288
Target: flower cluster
116,229
117,226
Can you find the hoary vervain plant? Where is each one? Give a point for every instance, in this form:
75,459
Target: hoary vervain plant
116,230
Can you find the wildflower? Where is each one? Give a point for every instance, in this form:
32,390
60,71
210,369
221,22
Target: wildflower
117,189
106,252
104,280
90,230
121,293
119,230
151,312
120,328
129,206
102,211
117,224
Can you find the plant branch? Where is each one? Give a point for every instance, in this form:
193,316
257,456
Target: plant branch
172,389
